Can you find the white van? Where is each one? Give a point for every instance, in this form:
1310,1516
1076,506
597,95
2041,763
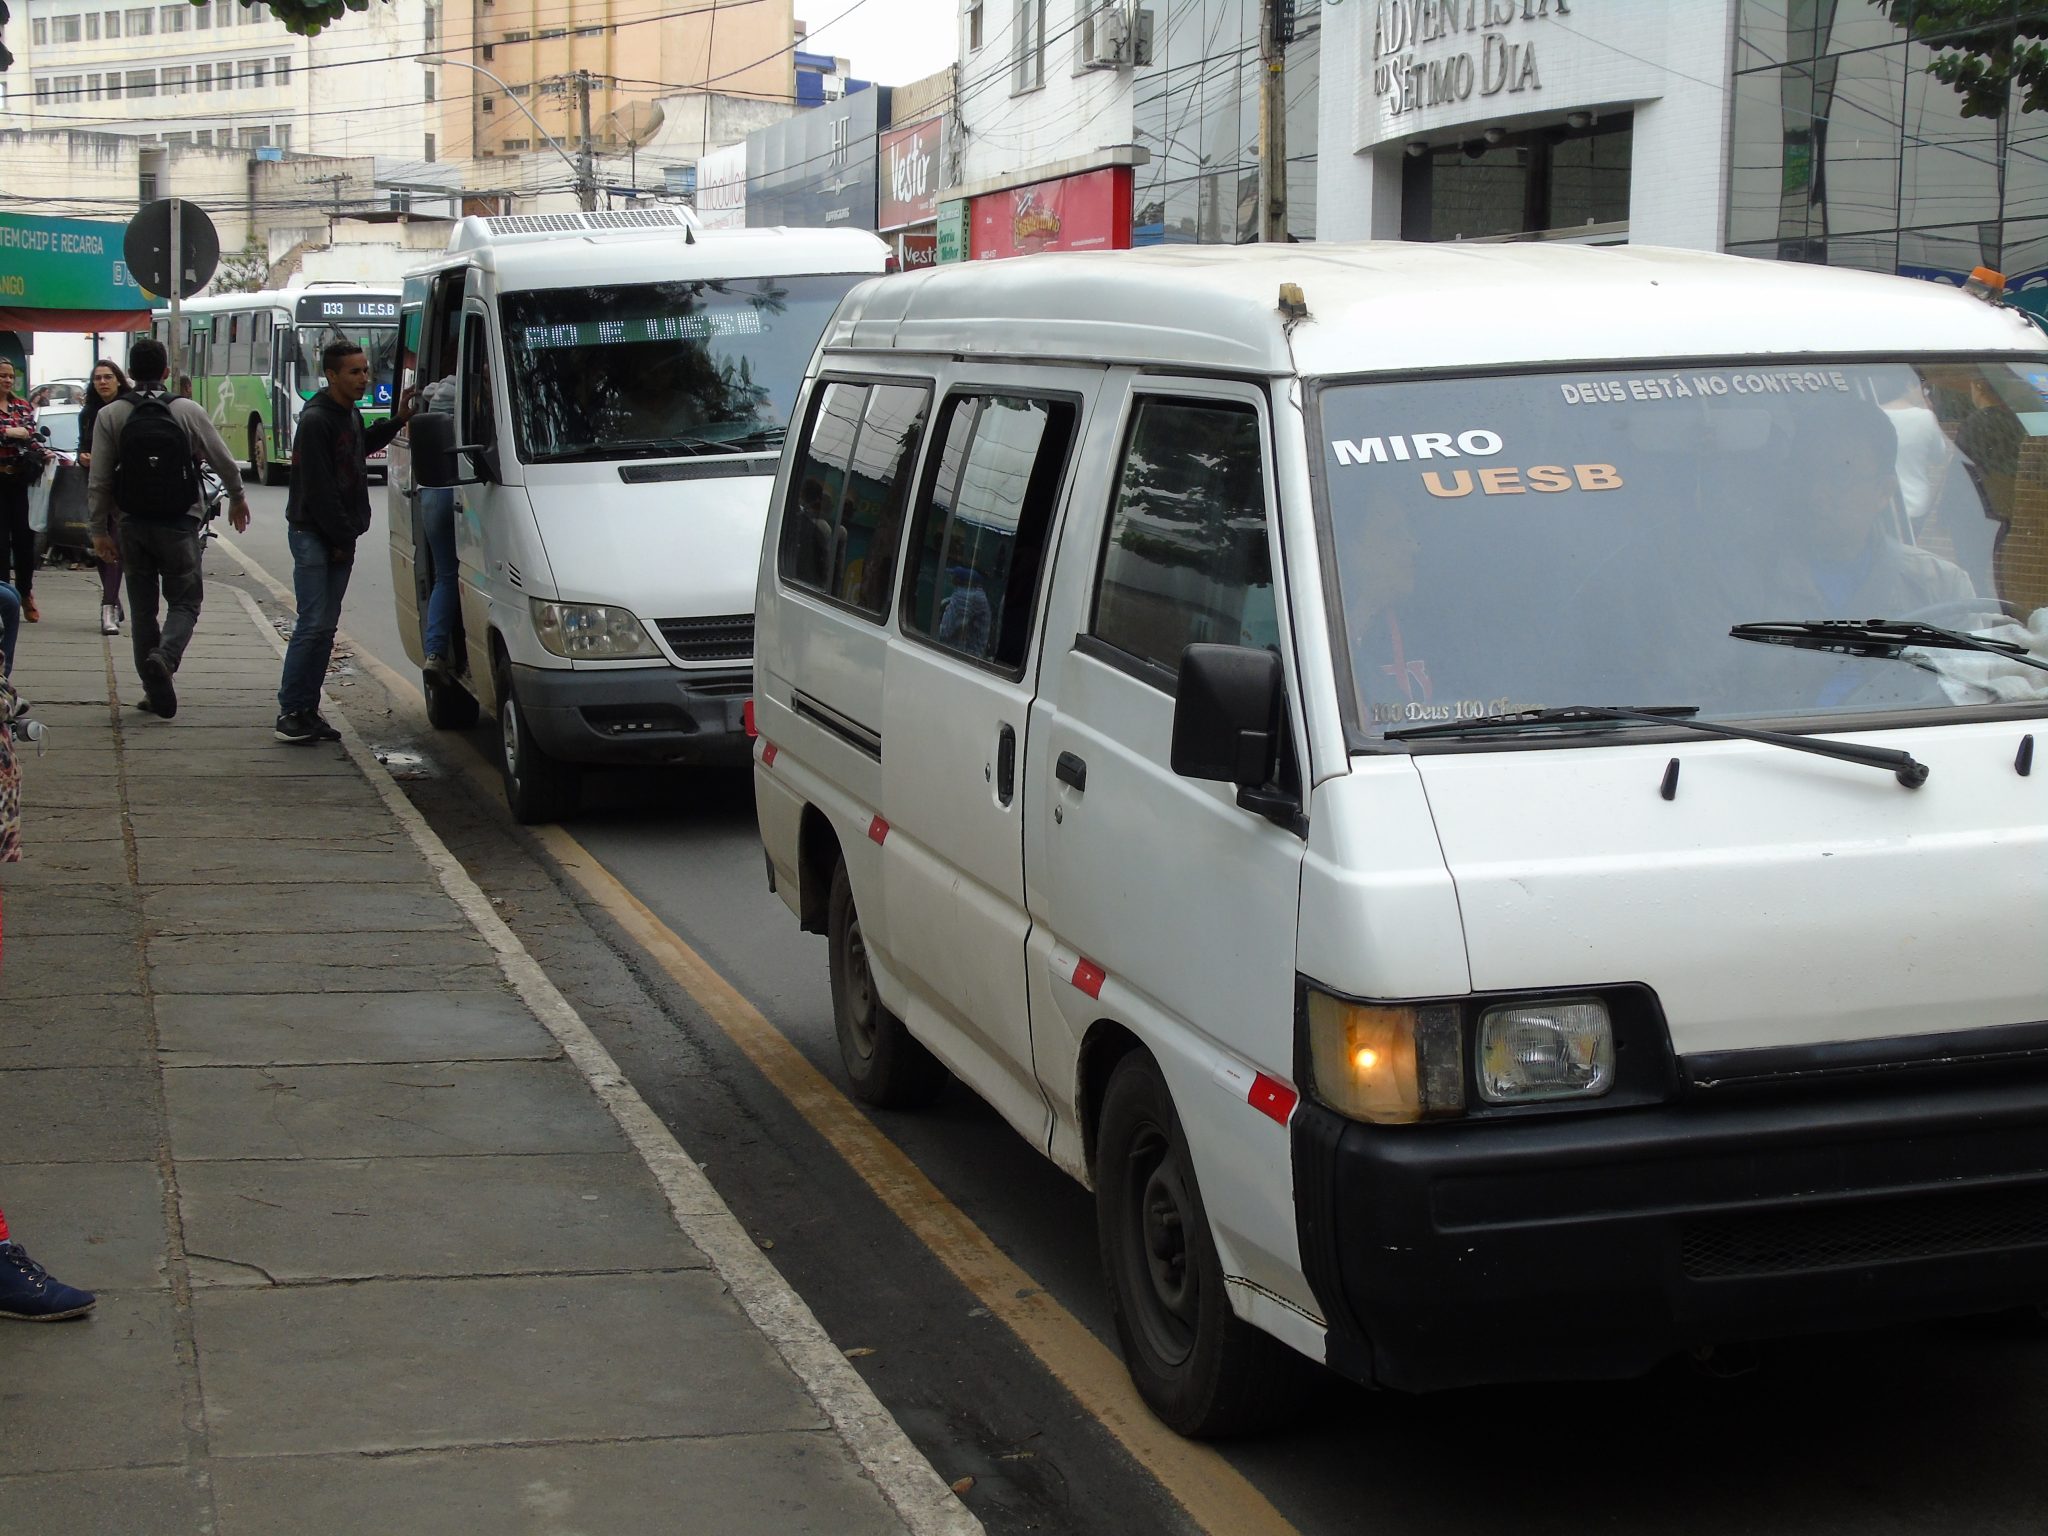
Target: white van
619,388
1483,797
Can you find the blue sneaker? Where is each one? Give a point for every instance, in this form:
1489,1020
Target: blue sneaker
30,1294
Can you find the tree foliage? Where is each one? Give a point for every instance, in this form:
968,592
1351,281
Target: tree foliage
1983,48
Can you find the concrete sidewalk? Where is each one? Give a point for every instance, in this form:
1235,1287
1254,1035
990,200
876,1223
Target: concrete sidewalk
381,1237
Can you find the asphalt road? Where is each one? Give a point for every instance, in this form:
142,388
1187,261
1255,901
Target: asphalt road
1923,1430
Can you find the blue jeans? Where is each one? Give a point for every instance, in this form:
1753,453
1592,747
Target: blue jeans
319,582
10,624
437,513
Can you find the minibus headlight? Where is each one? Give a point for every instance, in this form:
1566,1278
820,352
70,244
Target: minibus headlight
589,631
1545,1050
1387,1063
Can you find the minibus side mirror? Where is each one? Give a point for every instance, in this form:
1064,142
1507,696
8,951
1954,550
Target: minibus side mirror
437,459
1228,718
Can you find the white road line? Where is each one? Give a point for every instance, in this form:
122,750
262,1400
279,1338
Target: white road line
912,1486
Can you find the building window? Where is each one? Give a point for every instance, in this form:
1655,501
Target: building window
518,88
974,15
282,69
514,145
39,31
490,52
145,187
255,74
431,23
490,104
202,77
177,141
70,88
137,24
224,13
431,149
251,14
92,87
202,18
1555,179
428,85
141,82
67,29
92,26
171,18
113,20
177,80
281,135
1029,73
515,37
113,87
253,138
42,91
590,31
547,34
203,138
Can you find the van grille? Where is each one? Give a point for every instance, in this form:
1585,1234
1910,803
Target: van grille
1867,1232
730,638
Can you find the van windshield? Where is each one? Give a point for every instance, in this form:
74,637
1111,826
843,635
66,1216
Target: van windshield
1549,539
662,370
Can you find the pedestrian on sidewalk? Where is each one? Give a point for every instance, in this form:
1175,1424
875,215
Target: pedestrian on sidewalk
328,508
17,431
143,453
109,383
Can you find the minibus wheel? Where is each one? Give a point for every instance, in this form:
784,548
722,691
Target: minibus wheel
1200,1367
887,1065
538,788
450,706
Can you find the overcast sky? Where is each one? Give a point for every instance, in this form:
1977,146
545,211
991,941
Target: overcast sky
891,42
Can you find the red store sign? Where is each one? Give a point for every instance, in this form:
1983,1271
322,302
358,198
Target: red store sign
909,175
1090,212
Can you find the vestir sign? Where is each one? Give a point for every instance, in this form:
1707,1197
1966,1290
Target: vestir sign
910,174
1089,212
67,264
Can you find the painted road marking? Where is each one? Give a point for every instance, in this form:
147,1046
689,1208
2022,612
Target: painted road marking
1215,1495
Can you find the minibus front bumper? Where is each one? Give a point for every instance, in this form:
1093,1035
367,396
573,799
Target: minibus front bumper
1594,1245
623,715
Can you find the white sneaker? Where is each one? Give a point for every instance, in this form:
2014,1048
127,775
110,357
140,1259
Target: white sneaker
110,619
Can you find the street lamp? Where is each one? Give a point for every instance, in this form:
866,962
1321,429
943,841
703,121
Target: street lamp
585,185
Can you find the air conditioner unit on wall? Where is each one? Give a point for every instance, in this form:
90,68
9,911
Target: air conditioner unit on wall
1106,38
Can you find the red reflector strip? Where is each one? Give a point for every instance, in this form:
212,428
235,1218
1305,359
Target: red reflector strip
767,754
1272,1098
1089,977
878,831
747,719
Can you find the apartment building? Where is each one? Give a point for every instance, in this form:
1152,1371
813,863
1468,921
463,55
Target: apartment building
529,53
225,75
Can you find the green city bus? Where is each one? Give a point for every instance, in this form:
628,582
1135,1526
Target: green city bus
253,360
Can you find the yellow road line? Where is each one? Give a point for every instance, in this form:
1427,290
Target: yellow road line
1216,1496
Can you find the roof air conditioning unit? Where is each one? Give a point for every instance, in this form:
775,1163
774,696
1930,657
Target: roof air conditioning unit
1106,39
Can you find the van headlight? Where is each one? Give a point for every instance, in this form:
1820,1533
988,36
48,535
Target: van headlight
589,631
1532,1051
1387,1063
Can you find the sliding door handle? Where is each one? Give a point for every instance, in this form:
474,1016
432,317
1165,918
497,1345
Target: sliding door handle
1006,764
1072,772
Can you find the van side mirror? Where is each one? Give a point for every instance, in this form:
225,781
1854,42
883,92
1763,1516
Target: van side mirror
436,456
1229,722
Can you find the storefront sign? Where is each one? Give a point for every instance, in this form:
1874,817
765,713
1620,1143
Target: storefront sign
918,249
1485,56
1089,212
64,264
817,170
910,174
952,236
722,188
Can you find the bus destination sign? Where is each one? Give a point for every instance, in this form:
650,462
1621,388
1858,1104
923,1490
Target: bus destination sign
345,309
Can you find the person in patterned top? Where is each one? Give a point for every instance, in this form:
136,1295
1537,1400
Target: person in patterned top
17,458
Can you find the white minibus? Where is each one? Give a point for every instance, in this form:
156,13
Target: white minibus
1484,797
608,394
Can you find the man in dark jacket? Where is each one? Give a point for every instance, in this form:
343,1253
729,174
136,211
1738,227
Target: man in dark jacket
328,509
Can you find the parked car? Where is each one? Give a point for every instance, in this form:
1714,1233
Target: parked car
56,503
1287,727
58,392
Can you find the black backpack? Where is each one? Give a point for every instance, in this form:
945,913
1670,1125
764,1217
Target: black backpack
154,477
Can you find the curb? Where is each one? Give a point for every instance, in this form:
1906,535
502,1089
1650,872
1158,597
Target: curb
910,1484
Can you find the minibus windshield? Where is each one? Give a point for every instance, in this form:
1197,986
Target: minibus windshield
662,370
1540,540
379,341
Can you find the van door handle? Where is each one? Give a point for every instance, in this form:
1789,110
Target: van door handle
1070,770
1006,764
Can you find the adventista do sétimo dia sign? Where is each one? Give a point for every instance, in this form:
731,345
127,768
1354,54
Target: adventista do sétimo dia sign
64,264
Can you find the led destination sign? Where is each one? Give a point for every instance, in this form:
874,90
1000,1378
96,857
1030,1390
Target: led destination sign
345,309
701,326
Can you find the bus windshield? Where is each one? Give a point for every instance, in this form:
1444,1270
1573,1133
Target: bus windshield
379,341
662,370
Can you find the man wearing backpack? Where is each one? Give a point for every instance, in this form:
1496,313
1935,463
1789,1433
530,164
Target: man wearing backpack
143,451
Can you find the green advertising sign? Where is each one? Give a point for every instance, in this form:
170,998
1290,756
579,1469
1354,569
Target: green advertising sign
953,231
64,264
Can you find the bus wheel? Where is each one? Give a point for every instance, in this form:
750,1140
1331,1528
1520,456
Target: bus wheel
259,454
1198,1365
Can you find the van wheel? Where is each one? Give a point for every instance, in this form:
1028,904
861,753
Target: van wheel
450,707
890,1070
1200,1367
538,788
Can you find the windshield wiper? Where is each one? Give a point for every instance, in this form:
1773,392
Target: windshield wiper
1878,637
760,437
1902,765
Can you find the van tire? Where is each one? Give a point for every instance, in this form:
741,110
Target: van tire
1199,1366
888,1067
450,707
538,788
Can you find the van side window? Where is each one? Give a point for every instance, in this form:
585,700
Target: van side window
845,519
479,424
980,542
1186,560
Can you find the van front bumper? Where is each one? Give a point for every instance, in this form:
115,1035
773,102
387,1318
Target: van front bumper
1594,1245
658,714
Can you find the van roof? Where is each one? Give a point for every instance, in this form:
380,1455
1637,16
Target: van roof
654,256
1396,306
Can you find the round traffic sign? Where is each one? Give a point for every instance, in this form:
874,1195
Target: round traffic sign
147,247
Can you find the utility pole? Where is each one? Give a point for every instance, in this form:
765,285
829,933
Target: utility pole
586,176
1276,31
